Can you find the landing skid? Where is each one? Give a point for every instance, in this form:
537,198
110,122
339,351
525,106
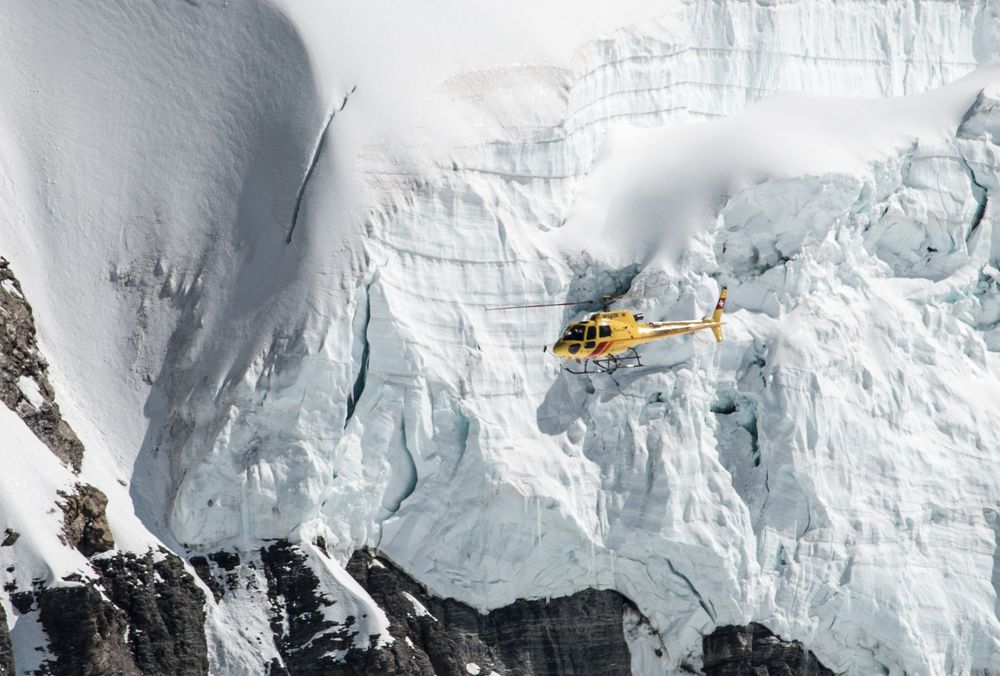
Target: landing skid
609,364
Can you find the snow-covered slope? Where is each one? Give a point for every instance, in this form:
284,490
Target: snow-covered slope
260,239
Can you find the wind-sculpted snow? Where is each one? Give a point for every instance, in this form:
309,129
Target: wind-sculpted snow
826,466
825,471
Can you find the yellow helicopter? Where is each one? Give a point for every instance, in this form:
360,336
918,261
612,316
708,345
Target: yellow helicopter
607,339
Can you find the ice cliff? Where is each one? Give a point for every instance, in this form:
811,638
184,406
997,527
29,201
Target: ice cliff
260,238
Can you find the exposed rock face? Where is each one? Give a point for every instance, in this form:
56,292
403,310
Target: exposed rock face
86,634
578,634
6,652
85,525
165,609
24,383
155,623
10,536
302,634
204,571
752,650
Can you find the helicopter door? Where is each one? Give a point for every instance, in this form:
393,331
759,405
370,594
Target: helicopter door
591,335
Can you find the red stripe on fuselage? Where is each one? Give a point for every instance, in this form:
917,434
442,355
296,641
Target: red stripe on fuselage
601,349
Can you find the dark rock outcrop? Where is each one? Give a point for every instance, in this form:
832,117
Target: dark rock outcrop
22,367
23,601
85,524
204,571
753,650
223,576
165,610
298,603
578,634
6,651
86,634
154,623
10,536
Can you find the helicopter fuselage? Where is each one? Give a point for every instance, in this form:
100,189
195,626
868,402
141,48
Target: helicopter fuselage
605,334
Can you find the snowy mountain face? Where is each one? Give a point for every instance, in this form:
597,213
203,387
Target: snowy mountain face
260,239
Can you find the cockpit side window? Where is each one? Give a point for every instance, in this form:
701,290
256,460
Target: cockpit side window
605,330
591,332
574,332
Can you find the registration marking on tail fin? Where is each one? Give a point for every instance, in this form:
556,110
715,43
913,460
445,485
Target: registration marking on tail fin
717,316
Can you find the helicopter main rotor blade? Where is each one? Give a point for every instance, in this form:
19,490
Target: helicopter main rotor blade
603,300
518,307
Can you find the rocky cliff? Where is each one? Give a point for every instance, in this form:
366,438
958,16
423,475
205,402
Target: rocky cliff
24,381
752,650
6,651
141,615
118,613
577,634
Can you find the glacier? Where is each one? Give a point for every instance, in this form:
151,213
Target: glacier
260,240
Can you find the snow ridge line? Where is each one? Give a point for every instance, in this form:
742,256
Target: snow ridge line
313,161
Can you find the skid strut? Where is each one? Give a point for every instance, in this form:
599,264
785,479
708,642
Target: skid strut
610,364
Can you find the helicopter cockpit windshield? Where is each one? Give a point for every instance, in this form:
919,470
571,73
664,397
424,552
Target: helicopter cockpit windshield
574,332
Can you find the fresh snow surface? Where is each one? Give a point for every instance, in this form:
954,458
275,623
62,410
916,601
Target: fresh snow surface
29,483
29,640
248,357
419,609
29,388
645,646
8,286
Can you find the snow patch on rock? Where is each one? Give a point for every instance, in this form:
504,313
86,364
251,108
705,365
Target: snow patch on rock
29,388
419,609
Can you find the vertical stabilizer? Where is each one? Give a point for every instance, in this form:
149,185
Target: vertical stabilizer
717,316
